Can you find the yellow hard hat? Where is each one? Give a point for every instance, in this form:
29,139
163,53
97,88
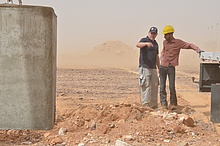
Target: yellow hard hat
168,29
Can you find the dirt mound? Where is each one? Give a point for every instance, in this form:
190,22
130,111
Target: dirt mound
111,49
108,54
97,124
114,54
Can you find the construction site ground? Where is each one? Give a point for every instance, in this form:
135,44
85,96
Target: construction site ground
101,107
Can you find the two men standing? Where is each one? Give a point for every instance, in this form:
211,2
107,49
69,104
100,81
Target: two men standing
168,61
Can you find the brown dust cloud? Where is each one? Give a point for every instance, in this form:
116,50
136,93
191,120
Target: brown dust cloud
116,54
110,54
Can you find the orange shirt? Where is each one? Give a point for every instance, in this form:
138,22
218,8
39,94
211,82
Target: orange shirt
171,51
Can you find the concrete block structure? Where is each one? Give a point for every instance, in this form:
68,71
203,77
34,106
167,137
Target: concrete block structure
215,103
28,50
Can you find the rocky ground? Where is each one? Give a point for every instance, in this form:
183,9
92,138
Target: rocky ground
101,107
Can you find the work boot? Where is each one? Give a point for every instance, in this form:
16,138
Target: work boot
146,106
173,107
154,107
163,107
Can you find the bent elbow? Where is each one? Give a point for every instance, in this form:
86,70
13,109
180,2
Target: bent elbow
138,46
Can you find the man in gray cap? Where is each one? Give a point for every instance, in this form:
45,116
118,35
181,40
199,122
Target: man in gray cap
148,65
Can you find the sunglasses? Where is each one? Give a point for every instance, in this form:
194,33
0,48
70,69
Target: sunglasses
153,33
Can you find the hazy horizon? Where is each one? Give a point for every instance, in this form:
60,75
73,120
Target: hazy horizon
83,25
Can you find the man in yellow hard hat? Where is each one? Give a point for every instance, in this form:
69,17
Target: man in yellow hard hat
169,60
148,64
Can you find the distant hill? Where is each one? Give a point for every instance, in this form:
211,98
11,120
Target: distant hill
114,54
113,49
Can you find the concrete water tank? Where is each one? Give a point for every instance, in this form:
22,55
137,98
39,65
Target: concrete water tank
28,49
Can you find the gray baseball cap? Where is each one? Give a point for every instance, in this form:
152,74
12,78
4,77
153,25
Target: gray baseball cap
153,29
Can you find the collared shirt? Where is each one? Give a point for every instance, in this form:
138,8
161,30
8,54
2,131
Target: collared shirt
171,51
148,56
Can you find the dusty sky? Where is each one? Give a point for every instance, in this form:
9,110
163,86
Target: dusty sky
84,24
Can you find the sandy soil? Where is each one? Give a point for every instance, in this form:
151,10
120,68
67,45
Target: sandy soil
98,104
101,107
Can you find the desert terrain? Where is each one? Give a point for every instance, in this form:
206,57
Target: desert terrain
98,104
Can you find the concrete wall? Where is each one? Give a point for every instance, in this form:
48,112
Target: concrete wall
28,43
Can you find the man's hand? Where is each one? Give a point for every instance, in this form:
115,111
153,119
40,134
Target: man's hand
200,51
149,44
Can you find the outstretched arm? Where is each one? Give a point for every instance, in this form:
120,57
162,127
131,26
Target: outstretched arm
144,44
186,45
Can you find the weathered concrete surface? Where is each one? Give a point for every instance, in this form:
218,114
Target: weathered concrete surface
28,43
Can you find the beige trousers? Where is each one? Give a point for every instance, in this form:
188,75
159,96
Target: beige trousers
148,81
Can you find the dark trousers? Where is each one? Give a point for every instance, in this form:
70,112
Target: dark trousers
170,72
